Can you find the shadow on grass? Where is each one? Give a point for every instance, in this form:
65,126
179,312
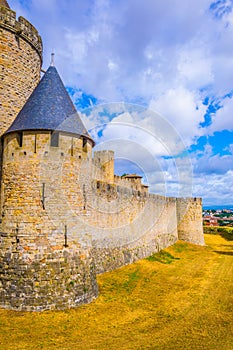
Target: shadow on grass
227,235
224,232
223,253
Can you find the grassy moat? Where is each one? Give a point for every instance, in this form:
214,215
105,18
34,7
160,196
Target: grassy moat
181,298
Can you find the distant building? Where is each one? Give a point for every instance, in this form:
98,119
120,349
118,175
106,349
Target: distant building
209,220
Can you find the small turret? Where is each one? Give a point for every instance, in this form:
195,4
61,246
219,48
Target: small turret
104,160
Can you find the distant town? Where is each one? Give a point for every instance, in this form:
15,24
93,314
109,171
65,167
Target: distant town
218,217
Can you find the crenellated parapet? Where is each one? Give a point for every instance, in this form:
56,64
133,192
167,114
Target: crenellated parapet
21,28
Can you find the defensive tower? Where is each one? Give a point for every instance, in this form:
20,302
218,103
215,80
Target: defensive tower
20,63
46,172
189,219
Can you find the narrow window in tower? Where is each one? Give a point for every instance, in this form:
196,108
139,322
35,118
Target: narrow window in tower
54,139
20,139
84,197
35,144
84,145
72,147
43,195
17,234
66,237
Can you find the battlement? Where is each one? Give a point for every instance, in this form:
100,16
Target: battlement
104,164
102,188
132,181
21,28
28,145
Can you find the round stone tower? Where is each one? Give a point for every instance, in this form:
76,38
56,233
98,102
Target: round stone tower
45,247
189,220
20,63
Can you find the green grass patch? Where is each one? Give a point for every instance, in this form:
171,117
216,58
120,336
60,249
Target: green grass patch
131,282
180,247
210,230
162,257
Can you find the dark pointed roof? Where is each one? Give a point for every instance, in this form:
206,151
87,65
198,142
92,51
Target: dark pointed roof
4,3
49,108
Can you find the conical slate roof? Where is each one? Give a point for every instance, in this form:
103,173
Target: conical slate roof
4,3
49,108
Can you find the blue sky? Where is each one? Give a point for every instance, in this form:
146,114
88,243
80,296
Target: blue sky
170,63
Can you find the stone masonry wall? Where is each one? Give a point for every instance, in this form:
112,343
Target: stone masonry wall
126,225
20,64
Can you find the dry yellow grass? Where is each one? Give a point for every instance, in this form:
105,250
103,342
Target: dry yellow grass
182,301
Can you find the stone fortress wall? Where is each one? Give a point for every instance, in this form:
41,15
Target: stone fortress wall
65,216
60,226
128,223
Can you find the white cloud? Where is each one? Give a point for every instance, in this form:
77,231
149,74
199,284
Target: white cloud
214,188
223,119
135,123
195,67
207,162
184,109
